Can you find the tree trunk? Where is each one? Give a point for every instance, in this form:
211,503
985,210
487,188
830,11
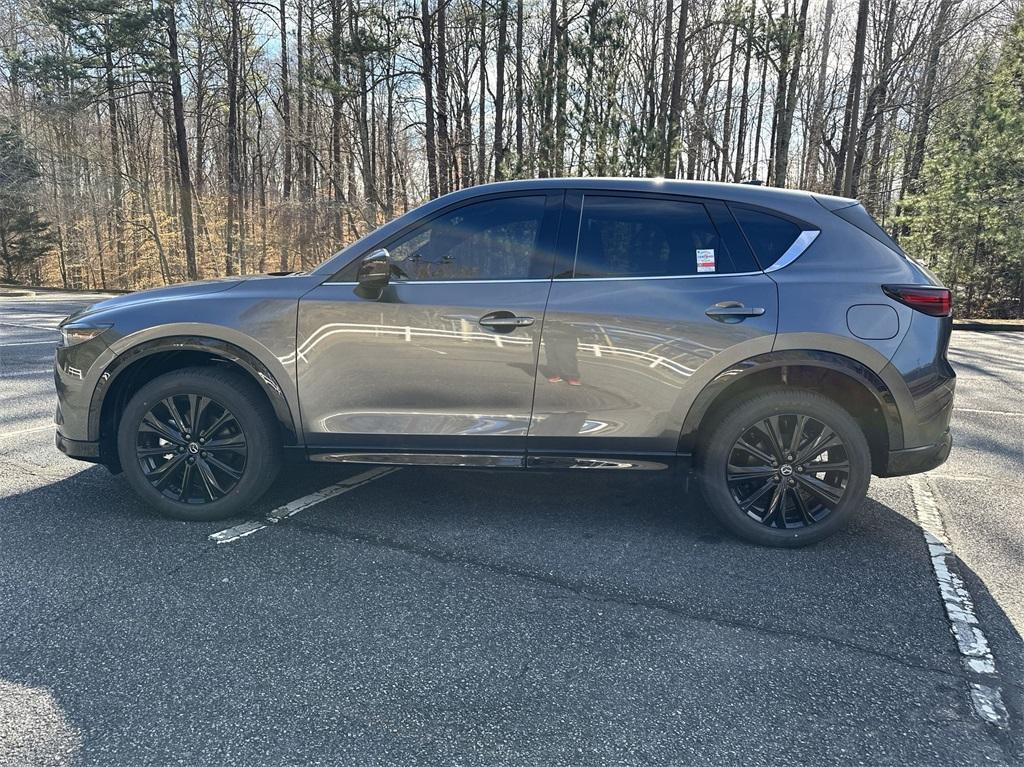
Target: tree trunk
723,175
788,95
481,147
233,175
444,152
547,89
284,235
922,118
427,49
561,89
181,145
844,183
741,139
499,92
337,194
815,125
117,186
675,111
519,87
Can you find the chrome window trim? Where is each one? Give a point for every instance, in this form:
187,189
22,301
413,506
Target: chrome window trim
794,251
449,282
659,277
567,279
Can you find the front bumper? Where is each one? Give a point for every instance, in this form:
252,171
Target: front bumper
918,459
79,449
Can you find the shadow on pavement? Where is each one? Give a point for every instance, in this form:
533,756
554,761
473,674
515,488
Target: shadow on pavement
475,617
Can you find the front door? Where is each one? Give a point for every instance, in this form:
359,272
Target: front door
440,367
649,289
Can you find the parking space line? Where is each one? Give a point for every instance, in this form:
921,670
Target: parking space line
292,508
975,651
986,412
26,431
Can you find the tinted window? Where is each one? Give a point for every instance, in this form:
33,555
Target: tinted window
489,240
646,237
769,236
860,218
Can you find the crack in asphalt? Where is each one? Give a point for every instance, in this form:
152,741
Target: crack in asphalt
595,593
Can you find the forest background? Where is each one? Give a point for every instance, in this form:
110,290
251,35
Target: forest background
146,143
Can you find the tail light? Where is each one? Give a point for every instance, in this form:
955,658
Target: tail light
929,300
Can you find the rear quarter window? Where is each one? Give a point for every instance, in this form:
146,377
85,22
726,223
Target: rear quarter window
769,236
860,218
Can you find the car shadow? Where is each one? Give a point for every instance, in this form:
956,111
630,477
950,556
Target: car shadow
94,586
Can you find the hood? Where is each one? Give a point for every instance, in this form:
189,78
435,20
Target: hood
171,292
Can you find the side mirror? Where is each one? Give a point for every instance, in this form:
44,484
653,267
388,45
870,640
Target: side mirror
375,270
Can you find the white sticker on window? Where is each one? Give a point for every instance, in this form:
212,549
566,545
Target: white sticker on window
706,260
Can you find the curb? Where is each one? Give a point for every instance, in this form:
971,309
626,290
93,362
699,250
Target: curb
984,326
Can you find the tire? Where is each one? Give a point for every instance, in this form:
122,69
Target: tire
182,478
794,505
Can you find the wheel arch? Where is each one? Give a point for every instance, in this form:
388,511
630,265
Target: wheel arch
864,394
145,361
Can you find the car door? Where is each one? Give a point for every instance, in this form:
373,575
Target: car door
652,294
442,362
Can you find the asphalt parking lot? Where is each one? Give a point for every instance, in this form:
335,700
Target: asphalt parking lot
487,618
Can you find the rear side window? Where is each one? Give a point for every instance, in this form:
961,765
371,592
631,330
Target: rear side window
860,218
622,236
769,236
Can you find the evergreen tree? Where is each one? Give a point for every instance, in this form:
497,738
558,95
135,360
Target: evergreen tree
24,236
967,222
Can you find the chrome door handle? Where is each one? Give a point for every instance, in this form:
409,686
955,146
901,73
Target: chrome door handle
504,322
732,311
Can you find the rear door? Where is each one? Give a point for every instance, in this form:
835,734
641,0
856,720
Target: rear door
444,359
649,290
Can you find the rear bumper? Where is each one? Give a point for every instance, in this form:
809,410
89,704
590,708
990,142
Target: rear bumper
918,459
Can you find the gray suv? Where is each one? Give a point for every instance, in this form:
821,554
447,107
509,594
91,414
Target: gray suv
777,343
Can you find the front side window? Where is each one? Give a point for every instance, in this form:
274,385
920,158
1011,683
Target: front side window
623,236
489,240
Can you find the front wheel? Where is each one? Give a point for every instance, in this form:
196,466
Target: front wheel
199,443
785,468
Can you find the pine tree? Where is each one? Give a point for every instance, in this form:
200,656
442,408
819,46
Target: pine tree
967,222
24,235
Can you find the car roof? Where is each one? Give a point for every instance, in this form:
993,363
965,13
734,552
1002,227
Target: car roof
768,196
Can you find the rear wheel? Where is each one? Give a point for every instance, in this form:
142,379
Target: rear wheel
785,468
199,443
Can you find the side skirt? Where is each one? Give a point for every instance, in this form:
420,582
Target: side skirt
497,460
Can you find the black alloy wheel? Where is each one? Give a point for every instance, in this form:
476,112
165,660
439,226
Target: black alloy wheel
788,471
191,448
784,467
199,443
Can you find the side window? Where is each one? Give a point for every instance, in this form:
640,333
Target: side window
769,236
647,237
488,240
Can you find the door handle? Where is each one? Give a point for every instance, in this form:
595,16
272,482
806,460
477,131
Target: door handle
504,322
732,311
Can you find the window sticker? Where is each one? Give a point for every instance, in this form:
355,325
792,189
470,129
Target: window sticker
706,260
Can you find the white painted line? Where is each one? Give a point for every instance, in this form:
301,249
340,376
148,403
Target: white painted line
51,342
49,426
975,652
988,412
292,508
53,329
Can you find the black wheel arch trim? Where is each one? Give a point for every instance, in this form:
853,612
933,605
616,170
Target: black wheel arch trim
872,381
213,346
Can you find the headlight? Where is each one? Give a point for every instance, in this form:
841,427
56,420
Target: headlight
76,334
